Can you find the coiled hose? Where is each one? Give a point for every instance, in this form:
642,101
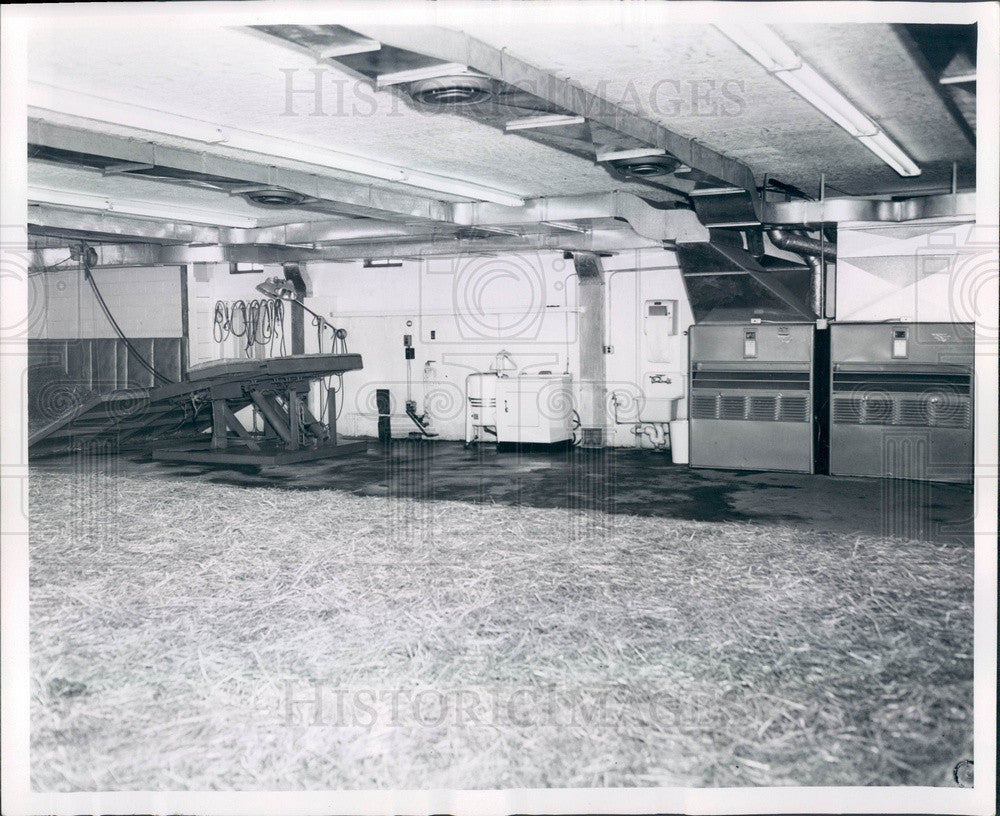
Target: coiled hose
258,323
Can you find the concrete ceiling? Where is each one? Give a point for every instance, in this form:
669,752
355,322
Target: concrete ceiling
688,78
232,77
695,81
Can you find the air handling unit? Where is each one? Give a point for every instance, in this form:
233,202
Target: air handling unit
751,402
902,400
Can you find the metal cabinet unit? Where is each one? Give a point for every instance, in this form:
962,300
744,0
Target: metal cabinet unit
902,400
534,409
751,401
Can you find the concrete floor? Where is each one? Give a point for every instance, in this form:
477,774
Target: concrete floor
635,482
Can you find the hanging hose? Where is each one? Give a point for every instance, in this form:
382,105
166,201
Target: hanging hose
261,323
338,339
338,345
258,323
86,262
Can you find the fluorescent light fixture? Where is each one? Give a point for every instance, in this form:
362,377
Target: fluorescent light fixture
634,153
44,99
126,114
761,43
959,79
442,69
714,191
553,120
891,153
142,209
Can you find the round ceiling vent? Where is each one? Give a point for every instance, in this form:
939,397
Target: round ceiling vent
274,197
465,89
646,166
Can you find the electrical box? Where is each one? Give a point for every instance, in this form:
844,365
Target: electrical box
659,329
534,409
902,400
751,404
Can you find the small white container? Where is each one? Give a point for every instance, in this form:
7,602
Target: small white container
679,441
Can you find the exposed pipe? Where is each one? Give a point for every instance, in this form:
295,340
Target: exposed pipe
816,253
817,289
802,244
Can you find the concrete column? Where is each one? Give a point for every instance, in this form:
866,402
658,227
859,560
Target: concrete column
592,296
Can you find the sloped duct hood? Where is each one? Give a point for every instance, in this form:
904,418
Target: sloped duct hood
725,283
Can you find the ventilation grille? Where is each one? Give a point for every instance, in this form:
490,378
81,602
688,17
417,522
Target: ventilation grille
465,89
732,407
778,408
646,166
927,411
751,380
902,382
703,407
847,411
274,197
793,409
914,398
914,412
762,408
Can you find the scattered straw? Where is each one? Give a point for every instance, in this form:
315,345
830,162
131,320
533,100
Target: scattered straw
181,631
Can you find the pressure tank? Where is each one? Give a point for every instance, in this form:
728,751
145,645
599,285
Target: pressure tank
481,406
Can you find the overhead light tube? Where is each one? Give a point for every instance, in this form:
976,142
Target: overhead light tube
761,43
550,120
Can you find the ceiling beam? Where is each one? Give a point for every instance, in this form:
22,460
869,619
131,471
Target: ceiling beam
349,198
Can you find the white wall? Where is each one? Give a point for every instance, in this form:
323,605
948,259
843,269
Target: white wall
632,279
476,307
919,271
210,283
146,302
